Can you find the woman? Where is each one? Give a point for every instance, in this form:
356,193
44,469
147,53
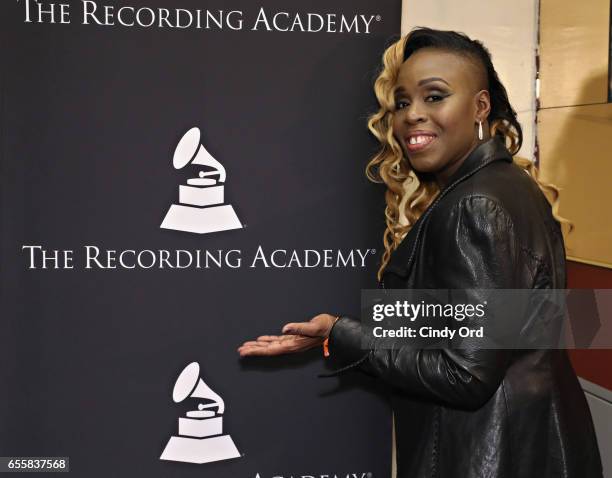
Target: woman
475,221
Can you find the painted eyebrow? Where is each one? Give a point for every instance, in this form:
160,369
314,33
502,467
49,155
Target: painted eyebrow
422,82
429,80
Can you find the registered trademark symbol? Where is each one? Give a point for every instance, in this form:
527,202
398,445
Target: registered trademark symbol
369,474
244,226
378,18
372,251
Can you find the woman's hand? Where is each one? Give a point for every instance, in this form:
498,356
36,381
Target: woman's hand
297,337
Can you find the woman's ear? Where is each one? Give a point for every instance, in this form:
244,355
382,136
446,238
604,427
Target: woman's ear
483,105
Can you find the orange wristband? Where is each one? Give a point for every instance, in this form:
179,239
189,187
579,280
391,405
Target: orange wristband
326,341
326,347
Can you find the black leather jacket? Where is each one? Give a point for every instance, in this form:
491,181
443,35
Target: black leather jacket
480,413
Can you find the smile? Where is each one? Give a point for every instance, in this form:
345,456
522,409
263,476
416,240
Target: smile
419,142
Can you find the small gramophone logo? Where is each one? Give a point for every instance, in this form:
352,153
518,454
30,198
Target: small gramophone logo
201,209
200,434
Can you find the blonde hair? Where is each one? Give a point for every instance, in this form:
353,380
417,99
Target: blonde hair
389,165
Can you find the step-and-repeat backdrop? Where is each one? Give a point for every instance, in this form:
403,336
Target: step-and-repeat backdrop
177,177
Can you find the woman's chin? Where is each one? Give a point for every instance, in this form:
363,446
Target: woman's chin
422,165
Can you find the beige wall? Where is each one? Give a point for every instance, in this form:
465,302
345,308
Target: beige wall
575,122
576,146
574,52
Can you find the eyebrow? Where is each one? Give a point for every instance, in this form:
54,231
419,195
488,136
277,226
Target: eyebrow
400,89
429,80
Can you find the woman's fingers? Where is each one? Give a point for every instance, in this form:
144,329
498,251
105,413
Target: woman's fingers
266,339
268,342
252,350
264,349
253,343
274,338
286,344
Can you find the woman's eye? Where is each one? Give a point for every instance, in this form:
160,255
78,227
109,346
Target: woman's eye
434,98
400,104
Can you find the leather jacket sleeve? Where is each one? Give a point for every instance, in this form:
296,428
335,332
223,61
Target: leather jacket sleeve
473,247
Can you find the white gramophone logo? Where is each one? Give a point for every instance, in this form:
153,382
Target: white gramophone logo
201,438
201,207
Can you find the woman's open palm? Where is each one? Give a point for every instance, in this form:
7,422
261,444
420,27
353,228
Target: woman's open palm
297,337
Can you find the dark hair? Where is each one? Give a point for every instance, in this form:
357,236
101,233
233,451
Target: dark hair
502,117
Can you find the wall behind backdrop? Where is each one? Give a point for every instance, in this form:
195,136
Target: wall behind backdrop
100,311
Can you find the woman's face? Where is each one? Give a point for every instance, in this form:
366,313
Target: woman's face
439,98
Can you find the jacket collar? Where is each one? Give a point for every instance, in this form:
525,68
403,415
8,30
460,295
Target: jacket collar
491,150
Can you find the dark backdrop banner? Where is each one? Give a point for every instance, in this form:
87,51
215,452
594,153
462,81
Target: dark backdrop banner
178,177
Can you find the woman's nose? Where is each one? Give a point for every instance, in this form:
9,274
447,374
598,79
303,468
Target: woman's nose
414,113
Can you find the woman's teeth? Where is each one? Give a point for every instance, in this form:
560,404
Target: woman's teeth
420,139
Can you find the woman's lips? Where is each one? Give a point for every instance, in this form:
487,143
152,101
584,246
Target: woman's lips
427,140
